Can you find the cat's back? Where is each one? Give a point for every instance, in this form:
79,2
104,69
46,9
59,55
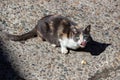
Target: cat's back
54,23
53,18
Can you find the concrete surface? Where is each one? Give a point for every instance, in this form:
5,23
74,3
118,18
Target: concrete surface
37,60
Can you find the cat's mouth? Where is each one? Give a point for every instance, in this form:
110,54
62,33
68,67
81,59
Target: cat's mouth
83,44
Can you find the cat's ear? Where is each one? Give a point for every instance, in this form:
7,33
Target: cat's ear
87,29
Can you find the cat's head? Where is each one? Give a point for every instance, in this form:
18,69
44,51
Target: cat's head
82,36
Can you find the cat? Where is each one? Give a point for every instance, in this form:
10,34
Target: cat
59,31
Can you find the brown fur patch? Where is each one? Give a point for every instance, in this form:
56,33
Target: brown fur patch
60,31
39,34
64,35
51,26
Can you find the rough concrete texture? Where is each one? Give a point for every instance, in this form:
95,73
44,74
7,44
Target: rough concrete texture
37,60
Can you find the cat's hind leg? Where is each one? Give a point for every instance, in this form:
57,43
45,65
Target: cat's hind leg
40,36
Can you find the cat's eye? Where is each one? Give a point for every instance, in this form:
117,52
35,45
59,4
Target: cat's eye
86,36
77,38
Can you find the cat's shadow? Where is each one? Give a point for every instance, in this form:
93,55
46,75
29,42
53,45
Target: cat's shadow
94,47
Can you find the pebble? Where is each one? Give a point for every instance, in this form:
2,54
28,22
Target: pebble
83,62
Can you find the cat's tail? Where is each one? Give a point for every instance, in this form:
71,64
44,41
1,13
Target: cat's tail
23,37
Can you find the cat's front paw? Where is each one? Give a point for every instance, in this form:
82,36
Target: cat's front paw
64,50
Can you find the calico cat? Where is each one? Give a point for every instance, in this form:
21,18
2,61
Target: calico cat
57,30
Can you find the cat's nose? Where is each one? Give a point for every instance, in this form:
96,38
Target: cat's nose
83,43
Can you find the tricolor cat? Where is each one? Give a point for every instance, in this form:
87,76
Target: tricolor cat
57,30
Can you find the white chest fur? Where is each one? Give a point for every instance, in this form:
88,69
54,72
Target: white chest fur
69,43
